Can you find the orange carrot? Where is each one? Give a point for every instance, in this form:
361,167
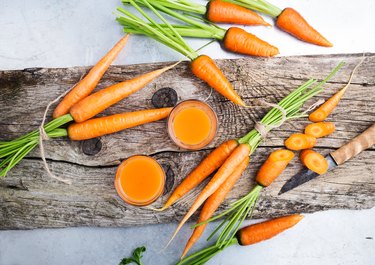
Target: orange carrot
240,41
324,110
230,164
299,141
205,68
213,202
109,124
265,230
320,129
101,100
314,161
208,165
292,22
273,166
89,82
225,12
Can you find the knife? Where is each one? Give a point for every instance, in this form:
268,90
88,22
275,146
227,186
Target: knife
340,156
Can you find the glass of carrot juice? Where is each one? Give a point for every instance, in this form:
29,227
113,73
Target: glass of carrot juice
140,180
192,124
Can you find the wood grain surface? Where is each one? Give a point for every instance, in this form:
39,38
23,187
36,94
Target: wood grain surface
30,199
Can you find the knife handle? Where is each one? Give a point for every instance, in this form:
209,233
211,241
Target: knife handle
355,146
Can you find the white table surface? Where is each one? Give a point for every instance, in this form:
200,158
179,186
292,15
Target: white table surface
74,33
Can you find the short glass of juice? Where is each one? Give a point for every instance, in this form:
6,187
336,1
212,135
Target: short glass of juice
192,124
140,180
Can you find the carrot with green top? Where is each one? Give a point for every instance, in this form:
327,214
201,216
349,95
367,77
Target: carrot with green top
246,236
216,11
300,141
213,202
234,39
288,20
202,66
205,168
320,129
89,82
228,167
110,124
314,161
273,166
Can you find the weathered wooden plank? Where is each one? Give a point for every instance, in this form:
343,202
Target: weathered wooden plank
28,199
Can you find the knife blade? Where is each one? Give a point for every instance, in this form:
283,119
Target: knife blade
338,157
305,175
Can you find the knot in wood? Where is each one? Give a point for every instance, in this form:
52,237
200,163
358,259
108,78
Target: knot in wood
169,178
164,97
92,146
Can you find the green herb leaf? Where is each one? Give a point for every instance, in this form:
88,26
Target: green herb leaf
137,256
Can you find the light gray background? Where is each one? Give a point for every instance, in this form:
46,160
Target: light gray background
71,33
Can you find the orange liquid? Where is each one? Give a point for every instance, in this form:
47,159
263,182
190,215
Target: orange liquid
140,180
192,126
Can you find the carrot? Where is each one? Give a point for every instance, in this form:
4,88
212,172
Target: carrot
314,161
213,202
109,124
101,100
208,165
292,22
89,82
265,230
240,41
224,12
299,141
324,110
320,129
273,166
205,68
230,164
248,235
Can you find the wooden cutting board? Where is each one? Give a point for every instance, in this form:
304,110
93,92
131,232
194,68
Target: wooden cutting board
30,199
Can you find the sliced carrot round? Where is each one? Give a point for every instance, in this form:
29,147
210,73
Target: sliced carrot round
314,161
320,129
300,141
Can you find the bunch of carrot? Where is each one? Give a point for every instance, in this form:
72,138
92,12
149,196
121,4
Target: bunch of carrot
79,106
230,159
237,12
202,66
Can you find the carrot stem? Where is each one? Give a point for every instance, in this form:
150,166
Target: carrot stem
258,5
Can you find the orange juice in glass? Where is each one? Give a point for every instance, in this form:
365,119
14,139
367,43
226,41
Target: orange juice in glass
192,124
140,180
